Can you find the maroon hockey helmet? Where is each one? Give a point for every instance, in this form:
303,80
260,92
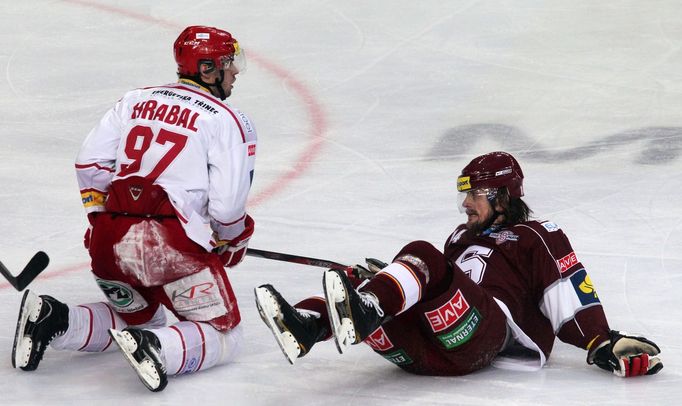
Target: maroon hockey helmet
492,170
199,44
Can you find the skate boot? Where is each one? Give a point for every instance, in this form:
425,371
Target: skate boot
41,320
353,315
142,349
296,331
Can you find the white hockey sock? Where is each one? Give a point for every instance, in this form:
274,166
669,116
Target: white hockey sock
88,328
190,346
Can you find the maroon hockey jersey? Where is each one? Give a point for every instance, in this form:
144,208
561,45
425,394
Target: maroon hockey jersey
532,269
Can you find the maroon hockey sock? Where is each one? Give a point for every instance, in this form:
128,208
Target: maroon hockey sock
317,304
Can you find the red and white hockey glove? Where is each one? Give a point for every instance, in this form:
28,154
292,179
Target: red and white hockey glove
232,251
626,355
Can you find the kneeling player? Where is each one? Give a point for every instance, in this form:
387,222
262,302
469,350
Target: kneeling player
164,178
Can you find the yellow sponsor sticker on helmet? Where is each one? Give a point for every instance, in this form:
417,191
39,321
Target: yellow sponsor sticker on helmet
463,183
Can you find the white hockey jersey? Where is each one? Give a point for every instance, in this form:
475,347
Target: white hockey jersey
197,148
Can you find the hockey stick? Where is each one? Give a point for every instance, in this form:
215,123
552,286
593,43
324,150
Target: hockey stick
35,266
297,259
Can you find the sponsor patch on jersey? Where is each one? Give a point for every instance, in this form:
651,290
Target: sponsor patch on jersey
463,183
503,236
399,357
245,121
567,262
551,227
448,314
583,288
123,297
378,340
196,297
252,149
93,198
462,333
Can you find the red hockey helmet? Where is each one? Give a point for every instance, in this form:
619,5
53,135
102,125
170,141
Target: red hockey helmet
198,44
492,170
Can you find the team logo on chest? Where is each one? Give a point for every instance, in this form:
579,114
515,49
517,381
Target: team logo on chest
503,236
448,314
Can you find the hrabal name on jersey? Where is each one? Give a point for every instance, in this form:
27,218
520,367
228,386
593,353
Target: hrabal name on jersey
169,114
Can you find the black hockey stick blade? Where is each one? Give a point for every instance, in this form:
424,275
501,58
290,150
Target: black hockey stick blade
35,266
297,259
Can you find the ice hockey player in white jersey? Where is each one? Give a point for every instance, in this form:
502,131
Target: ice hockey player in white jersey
164,178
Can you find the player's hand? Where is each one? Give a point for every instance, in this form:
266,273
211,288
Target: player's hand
233,251
626,355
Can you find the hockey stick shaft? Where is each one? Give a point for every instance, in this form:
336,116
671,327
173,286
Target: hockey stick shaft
297,259
40,260
35,266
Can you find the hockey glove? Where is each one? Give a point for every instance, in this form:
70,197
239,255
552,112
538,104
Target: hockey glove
373,267
232,251
626,355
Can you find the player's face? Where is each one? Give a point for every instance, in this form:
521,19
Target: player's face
229,79
477,208
230,76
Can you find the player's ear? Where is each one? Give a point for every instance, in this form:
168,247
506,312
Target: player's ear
502,200
206,69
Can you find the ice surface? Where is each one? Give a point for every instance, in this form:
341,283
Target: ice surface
366,112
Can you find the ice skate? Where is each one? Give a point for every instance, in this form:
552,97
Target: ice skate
142,349
353,315
296,331
41,319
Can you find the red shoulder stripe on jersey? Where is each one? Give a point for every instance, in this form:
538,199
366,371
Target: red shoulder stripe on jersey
98,166
205,96
184,348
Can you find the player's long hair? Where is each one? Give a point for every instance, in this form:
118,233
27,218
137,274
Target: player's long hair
515,210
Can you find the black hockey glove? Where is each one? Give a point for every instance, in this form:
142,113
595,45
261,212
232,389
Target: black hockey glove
373,266
626,355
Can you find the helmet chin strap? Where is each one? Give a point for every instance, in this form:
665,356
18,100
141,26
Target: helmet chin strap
217,84
496,214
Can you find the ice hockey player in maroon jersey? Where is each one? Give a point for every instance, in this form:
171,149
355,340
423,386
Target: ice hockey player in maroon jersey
504,287
164,179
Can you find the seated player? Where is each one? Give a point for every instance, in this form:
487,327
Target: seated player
504,287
